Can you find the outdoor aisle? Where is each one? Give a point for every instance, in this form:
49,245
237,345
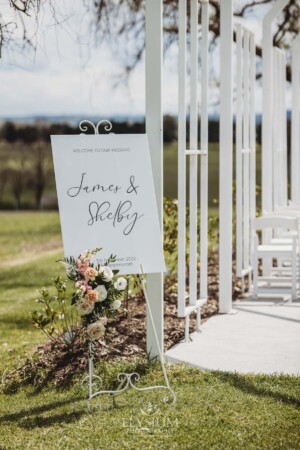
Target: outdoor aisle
262,337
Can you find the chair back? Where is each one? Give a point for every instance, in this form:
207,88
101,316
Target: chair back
276,222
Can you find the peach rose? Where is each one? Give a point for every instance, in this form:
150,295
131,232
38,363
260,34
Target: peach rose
92,295
90,274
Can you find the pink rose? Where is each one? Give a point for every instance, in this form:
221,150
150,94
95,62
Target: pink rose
82,267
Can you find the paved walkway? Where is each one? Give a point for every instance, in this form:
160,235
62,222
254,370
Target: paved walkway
262,336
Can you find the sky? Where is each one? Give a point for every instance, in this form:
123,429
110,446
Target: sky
68,75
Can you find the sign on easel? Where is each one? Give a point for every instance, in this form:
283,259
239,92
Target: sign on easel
106,199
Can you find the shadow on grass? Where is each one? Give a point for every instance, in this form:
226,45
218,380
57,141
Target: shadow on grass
249,386
40,422
20,322
42,409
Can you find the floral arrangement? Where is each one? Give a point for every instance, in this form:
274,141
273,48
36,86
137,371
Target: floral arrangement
98,291
97,297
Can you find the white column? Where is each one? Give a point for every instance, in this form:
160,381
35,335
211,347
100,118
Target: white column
154,129
225,244
295,154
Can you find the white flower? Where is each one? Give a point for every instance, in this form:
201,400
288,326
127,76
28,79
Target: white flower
107,273
102,293
96,330
116,304
120,284
85,306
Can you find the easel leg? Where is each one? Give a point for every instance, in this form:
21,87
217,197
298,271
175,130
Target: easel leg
161,356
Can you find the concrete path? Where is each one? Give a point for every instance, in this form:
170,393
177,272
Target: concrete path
261,336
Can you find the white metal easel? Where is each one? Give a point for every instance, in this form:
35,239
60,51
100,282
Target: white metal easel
126,380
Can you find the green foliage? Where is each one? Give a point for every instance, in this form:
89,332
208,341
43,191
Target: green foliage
55,317
171,232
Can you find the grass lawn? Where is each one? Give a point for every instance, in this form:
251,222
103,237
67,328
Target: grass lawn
214,410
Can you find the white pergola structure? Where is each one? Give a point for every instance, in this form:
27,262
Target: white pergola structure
273,167
154,130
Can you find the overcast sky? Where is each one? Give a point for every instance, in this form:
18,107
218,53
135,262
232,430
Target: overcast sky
68,75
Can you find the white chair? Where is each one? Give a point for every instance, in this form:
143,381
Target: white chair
287,251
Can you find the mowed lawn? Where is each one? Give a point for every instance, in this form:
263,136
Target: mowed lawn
214,410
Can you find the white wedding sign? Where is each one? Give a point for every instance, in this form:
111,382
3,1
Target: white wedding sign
106,199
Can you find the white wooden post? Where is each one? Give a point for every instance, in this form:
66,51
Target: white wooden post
245,150
182,160
276,185
295,154
193,157
267,161
252,131
238,151
267,179
246,154
284,154
204,148
225,244
154,129
188,303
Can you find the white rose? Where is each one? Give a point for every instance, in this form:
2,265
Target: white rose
102,293
85,306
107,273
96,330
120,284
116,304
